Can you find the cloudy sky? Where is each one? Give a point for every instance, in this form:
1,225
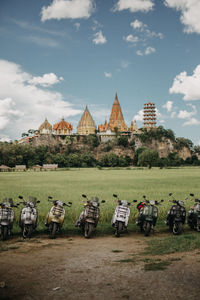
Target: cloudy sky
56,56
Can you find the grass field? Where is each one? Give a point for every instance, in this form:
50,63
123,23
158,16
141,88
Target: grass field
129,184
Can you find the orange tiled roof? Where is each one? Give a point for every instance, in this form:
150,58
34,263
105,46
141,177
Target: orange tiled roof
63,125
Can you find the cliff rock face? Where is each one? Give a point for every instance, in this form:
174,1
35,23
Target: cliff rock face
163,147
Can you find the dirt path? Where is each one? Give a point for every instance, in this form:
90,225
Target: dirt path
96,269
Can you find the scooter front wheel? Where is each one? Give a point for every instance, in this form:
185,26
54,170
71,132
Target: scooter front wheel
89,227
27,231
177,228
198,225
118,229
54,229
147,228
4,233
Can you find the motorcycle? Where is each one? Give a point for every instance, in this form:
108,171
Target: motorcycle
55,217
194,215
28,216
176,216
89,218
6,217
148,214
121,215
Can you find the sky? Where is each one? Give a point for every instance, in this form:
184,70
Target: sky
57,56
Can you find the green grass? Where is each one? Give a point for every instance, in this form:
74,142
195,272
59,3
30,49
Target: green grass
129,184
156,266
172,244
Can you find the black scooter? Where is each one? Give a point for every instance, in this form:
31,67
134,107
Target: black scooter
176,216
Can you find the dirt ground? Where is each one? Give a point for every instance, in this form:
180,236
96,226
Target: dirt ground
98,268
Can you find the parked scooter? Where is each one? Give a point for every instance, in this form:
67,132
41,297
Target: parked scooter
121,215
28,216
6,217
194,214
55,217
176,216
89,218
148,214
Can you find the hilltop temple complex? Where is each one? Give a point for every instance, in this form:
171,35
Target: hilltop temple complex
107,130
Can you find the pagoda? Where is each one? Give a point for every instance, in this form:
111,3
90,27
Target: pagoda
86,124
45,128
63,128
116,117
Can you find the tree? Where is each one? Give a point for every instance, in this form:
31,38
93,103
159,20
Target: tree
148,158
122,141
137,153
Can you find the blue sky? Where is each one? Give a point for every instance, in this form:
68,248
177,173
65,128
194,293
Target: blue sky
56,56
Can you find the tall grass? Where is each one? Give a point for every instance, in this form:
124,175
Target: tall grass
129,184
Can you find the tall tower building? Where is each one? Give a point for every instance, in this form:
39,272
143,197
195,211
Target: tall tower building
149,115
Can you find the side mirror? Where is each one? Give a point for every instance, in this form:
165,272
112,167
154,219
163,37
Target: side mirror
103,201
170,194
84,196
64,204
144,196
49,197
162,200
129,204
18,204
20,197
38,201
70,203
114,195
134,200
192,195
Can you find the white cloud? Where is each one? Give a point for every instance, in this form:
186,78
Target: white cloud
139,53
77,25
46,80
168,105
139,116
189,86
99,38
189,13
134,5
124,64
68,9
5,139
131,39
149,50
44,42
138,25
173,114
108,74
24,105
192,121
96,25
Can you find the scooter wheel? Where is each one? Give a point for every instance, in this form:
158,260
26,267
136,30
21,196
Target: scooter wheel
4,233
53,230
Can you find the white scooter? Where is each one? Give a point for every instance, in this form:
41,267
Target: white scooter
6,217
121,215
28,216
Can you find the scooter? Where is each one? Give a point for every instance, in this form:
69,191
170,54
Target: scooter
28,216
6,217
121,215
194,215
176,216
89,218
148,214
55,217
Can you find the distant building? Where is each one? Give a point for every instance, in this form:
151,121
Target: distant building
86,124
45,128
149,115
63,128
116,117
